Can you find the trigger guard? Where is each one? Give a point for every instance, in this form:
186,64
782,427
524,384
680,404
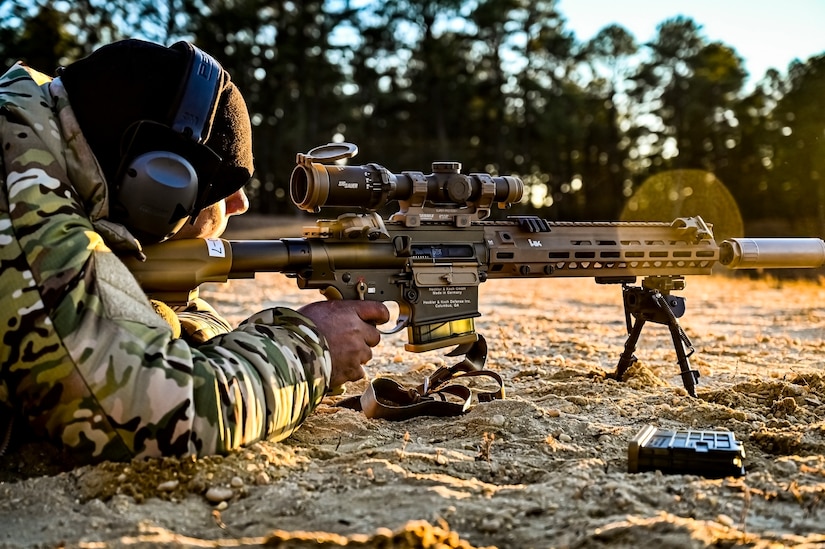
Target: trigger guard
332,293
400,325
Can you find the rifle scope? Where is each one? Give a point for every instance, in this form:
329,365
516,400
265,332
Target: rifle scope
314,184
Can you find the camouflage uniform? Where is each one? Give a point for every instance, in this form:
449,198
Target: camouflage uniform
85,360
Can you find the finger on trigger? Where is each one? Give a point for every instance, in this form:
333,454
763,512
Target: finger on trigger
375,313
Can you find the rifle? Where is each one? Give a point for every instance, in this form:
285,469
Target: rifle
432,254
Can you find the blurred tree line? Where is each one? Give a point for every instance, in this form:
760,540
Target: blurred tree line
499,85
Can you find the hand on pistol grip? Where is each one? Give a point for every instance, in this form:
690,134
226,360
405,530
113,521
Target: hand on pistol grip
402,318
349,327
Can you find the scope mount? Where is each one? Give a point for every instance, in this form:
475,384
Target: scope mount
417,209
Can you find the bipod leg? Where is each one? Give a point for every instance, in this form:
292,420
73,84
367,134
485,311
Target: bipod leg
628,359
681,341
689,377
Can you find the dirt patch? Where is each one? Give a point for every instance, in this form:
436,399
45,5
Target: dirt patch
546,467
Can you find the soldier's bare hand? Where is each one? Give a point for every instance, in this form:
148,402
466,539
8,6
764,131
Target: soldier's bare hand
350,330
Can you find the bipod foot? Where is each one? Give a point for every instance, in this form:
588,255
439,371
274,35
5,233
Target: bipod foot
623,365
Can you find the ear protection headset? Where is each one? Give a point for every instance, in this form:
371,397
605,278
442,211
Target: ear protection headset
166,171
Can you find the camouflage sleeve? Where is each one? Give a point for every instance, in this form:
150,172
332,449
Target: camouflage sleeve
274,336
89,363
200,322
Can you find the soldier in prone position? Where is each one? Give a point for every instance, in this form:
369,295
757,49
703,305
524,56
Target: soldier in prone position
135,144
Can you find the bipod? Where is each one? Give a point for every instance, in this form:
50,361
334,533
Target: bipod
652,302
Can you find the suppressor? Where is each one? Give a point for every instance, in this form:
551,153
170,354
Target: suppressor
772,253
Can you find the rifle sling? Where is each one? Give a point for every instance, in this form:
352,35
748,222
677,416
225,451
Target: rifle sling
388,399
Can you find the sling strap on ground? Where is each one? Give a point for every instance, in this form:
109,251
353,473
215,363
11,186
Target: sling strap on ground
436,396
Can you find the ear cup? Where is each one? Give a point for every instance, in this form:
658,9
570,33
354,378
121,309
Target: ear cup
166,170
157,192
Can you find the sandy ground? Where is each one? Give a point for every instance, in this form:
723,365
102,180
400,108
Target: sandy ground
546,467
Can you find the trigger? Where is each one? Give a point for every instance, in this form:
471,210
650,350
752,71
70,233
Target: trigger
403,320
332,293
397,328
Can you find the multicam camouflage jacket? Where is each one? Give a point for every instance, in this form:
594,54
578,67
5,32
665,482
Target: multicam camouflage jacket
85,360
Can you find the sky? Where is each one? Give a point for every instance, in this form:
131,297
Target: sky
765,33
